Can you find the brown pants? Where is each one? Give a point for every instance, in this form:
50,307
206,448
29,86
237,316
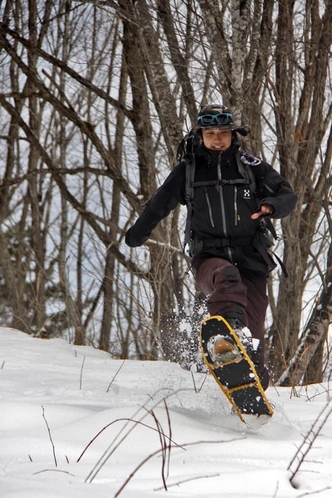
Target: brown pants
231,294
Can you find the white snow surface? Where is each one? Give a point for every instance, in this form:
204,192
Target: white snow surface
75,423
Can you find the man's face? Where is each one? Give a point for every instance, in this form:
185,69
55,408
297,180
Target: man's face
219,140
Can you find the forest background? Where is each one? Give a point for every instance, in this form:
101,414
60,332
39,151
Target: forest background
95,97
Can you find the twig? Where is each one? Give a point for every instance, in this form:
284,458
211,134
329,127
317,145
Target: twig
166,443
169,446
138,422
189,479
125,431
120,437
276,491
115,376
3,364
163,448
50,436
308,442
131,475
198,390
81,374
308,493
53,470
160,450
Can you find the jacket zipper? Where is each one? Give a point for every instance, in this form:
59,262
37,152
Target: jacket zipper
235,206
221,197
269,189
222,207
209,206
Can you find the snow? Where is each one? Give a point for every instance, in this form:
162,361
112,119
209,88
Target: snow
74,423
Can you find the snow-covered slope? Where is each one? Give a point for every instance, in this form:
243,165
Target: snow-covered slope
76,424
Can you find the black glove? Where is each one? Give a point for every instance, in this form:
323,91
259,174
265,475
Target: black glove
131,241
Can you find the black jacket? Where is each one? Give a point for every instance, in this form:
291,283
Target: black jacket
222,202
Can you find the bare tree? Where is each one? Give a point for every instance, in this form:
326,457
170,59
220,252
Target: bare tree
95,97
302,69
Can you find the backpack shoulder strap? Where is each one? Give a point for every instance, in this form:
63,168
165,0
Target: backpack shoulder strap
190,164
245,168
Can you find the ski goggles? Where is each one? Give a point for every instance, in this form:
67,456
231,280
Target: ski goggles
224,118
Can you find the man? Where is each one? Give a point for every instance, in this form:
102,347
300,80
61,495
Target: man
231,193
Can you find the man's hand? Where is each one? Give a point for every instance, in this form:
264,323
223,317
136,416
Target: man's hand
265,210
